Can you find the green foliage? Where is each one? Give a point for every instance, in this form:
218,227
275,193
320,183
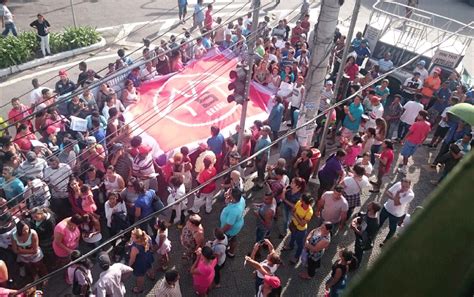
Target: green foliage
25,47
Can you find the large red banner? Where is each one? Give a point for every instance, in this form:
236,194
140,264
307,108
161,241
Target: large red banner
179,109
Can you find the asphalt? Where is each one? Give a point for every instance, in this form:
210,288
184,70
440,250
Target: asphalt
116,20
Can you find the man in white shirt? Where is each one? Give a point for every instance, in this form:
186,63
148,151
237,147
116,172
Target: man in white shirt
375,111
411,86
420,68
110,281
35,96
411,110
399,196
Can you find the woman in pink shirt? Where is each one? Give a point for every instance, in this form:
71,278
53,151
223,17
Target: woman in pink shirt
203,270
87,200
66,238
353,150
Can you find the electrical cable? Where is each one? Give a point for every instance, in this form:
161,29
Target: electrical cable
97,83
138,126
193,191
116,43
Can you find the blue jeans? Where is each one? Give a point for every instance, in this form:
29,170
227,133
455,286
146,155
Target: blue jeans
297,237
403,129
375,148
391,127
9,27
392,223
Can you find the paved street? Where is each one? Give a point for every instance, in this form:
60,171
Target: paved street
125,24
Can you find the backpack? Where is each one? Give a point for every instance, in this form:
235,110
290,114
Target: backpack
76,287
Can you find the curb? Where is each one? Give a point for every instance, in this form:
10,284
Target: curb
49,59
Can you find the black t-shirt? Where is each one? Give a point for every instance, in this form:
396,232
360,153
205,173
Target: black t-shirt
41,27
163,67
304,169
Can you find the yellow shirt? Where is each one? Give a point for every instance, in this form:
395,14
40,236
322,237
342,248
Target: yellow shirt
303,214
3,125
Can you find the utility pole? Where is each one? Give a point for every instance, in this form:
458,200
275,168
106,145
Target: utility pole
345,53
251,47
71,3
323,45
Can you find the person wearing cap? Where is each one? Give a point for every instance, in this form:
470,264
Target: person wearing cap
385,64
333,207
143,166
261,160
420,68
36,193
32,166
94,154
430,85
110,282
265,214
408,117
374,109
415,137
206,194
169,286
392,115
362,52
411,86
64,85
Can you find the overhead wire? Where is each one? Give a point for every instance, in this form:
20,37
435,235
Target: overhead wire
150,110
196,189
66,97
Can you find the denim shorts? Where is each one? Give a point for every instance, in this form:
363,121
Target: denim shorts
408,149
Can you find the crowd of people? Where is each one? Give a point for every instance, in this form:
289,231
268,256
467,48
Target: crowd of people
66,190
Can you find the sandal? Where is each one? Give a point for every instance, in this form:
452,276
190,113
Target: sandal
137,290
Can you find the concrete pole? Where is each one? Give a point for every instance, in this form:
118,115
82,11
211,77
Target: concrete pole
251,48
340,73
323,45
71,3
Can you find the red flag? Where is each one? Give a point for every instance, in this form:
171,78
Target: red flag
179,109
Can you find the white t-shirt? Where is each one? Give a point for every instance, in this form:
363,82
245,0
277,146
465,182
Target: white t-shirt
423,73
6,13
110,281
414,84
375,113
442,122
333,208
368,167
326,98
352,187
411,110
36,96
405,198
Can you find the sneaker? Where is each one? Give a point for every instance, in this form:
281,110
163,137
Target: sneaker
402,170
375,191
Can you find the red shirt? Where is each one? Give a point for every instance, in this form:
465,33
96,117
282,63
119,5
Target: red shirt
206,175
17,115
388,156
352,71
23,141
418,132
208,20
